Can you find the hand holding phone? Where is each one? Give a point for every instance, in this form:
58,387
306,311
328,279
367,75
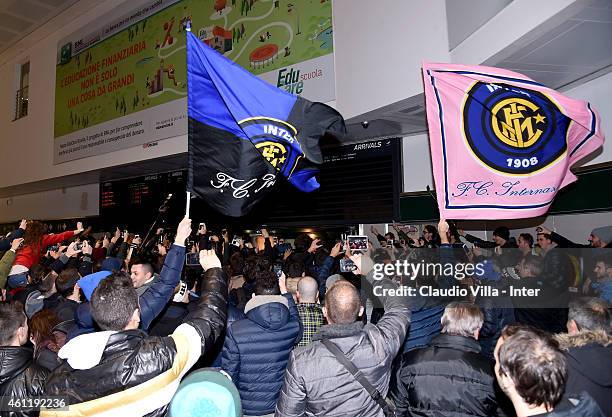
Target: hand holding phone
192,259
346,265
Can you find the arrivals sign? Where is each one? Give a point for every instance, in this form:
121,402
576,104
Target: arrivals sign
124,82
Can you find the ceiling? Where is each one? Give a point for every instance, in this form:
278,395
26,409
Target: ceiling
466,16
18,18
576,48
565,54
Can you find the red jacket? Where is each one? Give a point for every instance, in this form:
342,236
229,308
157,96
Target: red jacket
31,254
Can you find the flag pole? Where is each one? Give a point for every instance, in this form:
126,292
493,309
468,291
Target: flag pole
188,204
431,194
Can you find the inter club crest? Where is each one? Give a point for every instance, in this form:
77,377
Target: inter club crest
513,130
275,140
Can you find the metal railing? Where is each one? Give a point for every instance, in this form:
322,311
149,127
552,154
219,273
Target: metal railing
21,103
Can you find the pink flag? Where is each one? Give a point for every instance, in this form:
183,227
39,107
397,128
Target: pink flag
502,144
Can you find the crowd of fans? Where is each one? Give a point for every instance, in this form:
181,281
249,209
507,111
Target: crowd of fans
120,326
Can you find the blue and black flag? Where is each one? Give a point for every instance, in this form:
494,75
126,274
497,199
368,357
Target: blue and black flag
244,131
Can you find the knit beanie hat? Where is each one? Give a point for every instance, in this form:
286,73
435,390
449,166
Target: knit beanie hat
34,303
502,232
206,393
604,233
89,282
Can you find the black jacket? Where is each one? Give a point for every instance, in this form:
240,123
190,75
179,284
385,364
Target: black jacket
540,312
66,309
563,242
132,374
580,406
448,377
20,377
589,361
557,275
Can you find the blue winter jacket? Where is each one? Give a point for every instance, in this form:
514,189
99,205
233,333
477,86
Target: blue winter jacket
257,349
151,303
424,326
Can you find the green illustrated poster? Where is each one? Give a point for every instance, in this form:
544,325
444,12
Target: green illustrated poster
129,87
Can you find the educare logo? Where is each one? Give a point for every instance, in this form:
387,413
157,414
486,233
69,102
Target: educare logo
292,79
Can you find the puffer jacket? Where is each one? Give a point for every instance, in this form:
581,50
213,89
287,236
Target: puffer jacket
424,326
589,361
449,377
316,384
131,374
233,314
20,377
257,348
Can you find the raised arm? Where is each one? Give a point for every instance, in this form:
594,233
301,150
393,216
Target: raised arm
7,261
205,323
209,316
5,243
393,325
153,301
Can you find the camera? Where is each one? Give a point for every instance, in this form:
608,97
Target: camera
78,246
365,124
346,265
192,259
358,244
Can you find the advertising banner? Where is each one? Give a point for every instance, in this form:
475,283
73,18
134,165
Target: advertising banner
123,82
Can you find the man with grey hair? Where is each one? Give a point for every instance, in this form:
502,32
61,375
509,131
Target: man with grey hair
587,346
309,309
450,376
